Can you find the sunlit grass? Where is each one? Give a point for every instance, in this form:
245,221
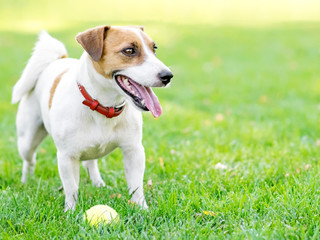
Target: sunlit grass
239,135
245,98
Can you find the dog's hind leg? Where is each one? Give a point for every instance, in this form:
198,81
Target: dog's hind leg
30,133
92,167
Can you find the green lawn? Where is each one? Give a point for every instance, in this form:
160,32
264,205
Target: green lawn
247,98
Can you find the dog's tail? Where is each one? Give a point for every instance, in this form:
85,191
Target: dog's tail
46,50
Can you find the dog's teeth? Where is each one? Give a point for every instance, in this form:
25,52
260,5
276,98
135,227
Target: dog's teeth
126,82
143,102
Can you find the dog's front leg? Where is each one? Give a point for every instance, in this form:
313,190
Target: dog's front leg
134,165
69,174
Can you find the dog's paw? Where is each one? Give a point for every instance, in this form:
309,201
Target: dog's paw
24,179
141,203
69,207
144,206
98,183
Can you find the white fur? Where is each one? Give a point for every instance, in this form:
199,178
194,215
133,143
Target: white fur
46,50
79,133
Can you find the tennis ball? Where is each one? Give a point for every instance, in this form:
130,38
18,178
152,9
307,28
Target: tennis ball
101,214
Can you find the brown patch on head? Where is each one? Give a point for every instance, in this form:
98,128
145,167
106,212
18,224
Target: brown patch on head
54,87
113,58
64,56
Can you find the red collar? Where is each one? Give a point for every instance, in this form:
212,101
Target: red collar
94,105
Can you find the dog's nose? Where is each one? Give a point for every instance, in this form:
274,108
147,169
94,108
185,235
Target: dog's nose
165,76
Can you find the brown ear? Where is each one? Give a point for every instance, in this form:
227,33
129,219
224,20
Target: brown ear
92,41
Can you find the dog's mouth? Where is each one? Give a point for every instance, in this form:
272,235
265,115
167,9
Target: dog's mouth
142,96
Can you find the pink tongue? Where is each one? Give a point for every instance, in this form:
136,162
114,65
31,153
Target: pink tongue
151,100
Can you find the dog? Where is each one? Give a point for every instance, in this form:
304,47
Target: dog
90,106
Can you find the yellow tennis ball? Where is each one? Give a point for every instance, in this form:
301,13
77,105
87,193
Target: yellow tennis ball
101,214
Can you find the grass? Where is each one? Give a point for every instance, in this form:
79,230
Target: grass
244,97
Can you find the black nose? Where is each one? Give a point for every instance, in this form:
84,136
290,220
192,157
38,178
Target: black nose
165,76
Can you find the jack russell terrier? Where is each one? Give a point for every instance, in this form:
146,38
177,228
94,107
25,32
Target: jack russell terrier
90,106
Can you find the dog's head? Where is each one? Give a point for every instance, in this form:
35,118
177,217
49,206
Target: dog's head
127,56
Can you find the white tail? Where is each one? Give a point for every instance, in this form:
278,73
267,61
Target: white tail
46,50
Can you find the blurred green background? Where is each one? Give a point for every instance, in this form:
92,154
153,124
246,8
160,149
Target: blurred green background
28,16
246,94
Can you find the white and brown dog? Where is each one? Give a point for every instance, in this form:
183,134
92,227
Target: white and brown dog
90,106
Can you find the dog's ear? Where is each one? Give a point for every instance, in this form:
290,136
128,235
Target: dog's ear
92,41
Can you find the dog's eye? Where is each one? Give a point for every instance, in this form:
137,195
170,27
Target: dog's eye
155,46
129,51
